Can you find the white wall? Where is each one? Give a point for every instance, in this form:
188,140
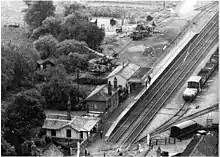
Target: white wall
121,81
62,133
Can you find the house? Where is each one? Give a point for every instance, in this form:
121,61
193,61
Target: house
58,126
104,98
43,64
129,74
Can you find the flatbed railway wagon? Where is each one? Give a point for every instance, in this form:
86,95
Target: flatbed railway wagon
195,83
184,129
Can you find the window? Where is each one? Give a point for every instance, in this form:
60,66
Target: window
53,132
68,133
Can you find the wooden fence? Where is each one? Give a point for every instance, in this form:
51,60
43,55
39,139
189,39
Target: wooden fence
164,141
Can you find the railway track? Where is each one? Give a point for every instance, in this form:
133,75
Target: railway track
211,4
144,111
148,115
166,127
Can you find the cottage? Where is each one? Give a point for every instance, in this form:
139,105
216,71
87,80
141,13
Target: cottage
104,98
43,64
77,128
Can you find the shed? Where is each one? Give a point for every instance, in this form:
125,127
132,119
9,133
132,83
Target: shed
182,129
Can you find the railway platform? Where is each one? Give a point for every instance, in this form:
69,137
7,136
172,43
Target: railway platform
161,66
112,121
157,70
100,144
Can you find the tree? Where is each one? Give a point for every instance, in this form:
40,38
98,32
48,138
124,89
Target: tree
74,61
6,148
72,8
69,24
55,93
37,12
46,45
23,116
50,25
53,73
75,28
53,25
91,34
67,46
39,31
17,68
28,3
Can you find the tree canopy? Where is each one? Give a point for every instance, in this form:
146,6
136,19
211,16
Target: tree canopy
17,67
23,116
37,12
74,61
46,45
67,46
74,7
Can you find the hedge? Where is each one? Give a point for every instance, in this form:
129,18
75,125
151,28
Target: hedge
92,80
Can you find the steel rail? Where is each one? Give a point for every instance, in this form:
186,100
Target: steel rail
119,132
146,123
182,119
152,110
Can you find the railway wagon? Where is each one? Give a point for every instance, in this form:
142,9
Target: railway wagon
195,83
184,129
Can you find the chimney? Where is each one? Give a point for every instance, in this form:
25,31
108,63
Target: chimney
109,88
69,109
115,83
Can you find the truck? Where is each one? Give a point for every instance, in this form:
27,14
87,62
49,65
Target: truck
196,83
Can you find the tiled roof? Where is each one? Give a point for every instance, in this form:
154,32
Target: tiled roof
101,93
77,123
125,71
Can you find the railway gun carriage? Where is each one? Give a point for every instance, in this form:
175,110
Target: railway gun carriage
184,129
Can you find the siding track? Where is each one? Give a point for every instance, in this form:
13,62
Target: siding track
164,87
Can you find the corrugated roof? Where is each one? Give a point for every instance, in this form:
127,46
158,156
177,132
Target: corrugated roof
101,93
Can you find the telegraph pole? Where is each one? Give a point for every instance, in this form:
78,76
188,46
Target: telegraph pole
77,75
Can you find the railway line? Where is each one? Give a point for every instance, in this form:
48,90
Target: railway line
164,87
167,125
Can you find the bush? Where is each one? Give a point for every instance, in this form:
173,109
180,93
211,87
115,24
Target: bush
92,80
